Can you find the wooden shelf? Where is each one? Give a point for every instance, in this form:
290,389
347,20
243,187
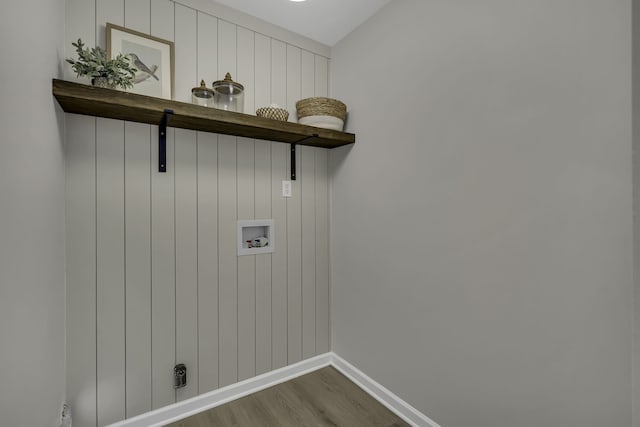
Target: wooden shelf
114,104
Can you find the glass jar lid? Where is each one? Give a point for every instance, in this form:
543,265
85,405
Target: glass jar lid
227,86
202,91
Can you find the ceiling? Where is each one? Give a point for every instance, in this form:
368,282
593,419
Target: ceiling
325,21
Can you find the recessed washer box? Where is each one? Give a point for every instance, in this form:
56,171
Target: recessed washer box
255,236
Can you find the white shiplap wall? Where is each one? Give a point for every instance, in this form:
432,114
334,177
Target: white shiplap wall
152,273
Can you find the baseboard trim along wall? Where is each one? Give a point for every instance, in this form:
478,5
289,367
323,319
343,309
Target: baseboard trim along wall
203,402
382,394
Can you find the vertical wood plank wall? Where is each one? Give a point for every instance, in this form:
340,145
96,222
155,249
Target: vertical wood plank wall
152,273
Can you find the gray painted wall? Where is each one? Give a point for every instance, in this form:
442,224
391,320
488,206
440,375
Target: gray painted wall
481,241
31,215
636,207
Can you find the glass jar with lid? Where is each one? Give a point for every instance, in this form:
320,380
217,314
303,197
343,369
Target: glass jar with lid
202,95
228,95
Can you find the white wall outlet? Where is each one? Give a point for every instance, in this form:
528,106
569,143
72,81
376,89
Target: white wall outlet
286,188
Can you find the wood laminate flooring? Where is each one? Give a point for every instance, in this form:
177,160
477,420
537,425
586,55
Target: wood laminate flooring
322,398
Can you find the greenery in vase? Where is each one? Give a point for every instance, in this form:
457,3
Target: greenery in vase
93,63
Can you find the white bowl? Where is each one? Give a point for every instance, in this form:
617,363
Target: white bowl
325,122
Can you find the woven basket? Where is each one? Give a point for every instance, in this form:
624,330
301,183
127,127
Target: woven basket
274,113
321,107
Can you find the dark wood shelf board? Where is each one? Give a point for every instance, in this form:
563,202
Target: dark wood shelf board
114,104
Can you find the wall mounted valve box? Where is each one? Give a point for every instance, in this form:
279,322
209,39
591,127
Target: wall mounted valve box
255,236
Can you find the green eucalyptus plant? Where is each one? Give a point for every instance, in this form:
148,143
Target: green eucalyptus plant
93,63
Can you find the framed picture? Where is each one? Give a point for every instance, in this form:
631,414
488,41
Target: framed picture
151,56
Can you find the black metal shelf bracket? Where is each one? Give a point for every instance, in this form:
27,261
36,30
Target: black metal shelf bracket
293,162
293,154
162,140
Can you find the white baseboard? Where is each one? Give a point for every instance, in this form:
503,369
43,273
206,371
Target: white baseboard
396,405
203,402
189,407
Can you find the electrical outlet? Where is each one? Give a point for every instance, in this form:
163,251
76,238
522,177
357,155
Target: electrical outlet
180,376
286,188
